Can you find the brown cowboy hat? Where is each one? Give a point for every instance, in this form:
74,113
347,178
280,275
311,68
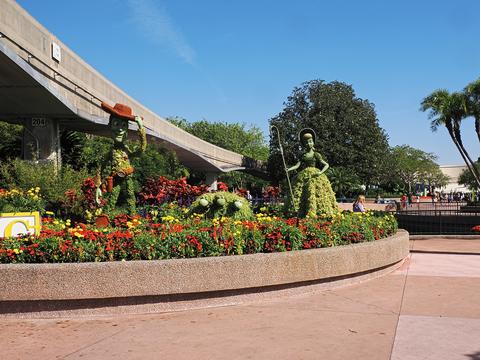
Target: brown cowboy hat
119,110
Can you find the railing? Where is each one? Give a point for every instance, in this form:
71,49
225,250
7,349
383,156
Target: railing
429,206
454,218
74,87
443,218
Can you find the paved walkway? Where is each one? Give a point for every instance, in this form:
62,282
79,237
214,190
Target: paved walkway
428,309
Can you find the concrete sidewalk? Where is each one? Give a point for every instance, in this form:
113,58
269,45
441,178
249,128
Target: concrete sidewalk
428,309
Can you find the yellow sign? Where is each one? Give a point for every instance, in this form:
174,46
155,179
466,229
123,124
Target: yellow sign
15,224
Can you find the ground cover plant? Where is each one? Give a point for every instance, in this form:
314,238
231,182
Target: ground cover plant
167,233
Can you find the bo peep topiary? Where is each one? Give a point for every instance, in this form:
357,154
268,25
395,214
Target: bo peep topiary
312,192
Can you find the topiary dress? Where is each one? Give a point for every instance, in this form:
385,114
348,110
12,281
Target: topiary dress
312,191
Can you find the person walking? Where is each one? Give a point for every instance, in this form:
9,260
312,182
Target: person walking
403,200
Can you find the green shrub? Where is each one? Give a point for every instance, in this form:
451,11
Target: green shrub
26,175
11,141
17,200
156,162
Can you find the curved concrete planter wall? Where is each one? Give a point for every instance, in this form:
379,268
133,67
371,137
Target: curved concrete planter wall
27,282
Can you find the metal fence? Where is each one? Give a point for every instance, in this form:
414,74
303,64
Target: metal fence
428,218
455,218
429,206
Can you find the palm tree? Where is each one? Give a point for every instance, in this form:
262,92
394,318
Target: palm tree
472,91
343,180
449,110
459,110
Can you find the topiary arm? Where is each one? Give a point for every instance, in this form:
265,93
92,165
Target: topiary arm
137,150
319,158
294,167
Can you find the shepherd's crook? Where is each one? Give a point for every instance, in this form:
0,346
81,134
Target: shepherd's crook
283,158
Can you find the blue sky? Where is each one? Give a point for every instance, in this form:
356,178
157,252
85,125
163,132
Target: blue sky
237,61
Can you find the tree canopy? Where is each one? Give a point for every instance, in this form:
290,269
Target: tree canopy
347,130
413,166
466,178
237,137
449,110
11,141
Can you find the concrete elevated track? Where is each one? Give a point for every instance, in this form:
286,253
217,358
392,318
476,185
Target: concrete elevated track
46,87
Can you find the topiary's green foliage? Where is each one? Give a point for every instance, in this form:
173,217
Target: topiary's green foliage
121,169
122,197
312,193
222,203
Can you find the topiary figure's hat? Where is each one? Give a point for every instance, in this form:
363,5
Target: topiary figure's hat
119,110
305,131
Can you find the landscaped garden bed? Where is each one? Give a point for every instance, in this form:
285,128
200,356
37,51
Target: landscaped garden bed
162,236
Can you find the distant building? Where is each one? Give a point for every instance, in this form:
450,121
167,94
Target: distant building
453,172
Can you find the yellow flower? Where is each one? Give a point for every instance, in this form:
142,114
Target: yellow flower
49,212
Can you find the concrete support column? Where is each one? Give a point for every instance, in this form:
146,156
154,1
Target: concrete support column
211,181
41,140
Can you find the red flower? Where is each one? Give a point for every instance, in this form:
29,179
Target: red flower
161,190
193,240
221,186
476,228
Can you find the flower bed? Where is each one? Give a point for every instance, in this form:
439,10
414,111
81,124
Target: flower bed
168,237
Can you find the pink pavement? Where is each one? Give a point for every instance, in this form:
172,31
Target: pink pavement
427,309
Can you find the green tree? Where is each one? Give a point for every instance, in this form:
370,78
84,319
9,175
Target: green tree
10,141
413,166
248,141
72,145
449,109
235,136
435,178
157,161
94,152
343,181
472,91
346,127
466,178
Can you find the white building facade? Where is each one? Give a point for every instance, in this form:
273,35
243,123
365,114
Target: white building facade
453,172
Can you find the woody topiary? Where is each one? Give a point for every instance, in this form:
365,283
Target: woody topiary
119,181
